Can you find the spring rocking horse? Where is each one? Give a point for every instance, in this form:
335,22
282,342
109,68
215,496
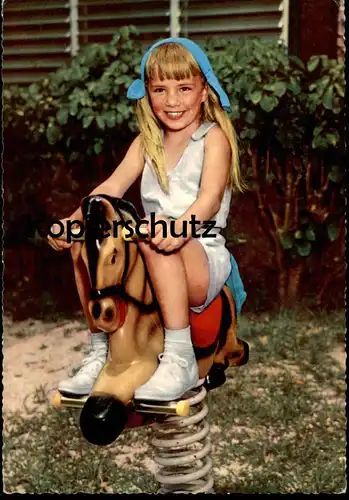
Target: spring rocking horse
123,304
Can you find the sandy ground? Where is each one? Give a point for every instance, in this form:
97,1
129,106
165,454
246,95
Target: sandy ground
38,355
38,361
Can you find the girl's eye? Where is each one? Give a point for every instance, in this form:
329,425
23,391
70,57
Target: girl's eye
157,91
185,89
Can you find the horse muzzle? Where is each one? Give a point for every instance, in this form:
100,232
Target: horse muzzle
108,314
102,419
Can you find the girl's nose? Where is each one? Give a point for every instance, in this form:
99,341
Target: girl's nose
172,99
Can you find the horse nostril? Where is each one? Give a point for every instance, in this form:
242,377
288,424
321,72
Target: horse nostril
109,314
102,419
96,310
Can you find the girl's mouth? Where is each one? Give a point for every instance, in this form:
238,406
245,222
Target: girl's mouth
174,115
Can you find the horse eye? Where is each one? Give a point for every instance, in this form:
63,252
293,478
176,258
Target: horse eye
113,259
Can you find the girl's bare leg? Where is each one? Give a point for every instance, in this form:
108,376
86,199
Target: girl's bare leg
180,279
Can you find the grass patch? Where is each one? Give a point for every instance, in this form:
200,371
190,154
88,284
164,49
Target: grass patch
277,424
47,454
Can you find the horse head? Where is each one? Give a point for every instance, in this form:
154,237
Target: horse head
121,303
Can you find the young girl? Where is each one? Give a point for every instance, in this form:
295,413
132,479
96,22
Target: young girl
187,155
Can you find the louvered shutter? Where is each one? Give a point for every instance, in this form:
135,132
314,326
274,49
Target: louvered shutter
36,38
234,18
98,19
40,35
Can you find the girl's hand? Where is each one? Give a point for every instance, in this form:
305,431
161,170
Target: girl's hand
60,243
169,243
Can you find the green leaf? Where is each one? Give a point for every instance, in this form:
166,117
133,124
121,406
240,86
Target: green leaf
110,118
310,234
332,139
339,89
332,232
62,116
97,148
279,88
124,31
304,249
335,175
317,130
53,133
244,133
250,116
256,96
33,89
294,86
235,111
87,120
252,133
328,97
74,156
286,240
100,122
298,62
74,107
123,109
323,82
298,235
319,143
268,103
313,63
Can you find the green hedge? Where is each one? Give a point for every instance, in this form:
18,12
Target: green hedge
76,109
276,99
289,116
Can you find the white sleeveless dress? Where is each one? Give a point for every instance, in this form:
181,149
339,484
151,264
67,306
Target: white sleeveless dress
184,185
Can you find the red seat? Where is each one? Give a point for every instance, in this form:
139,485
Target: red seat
205,326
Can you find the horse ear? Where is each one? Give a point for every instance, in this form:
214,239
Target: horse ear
84,204
128,209
127,216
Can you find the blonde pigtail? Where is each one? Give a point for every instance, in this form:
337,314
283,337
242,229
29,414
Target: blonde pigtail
212,111
151,138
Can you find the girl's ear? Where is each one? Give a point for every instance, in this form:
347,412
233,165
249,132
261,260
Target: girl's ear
204,93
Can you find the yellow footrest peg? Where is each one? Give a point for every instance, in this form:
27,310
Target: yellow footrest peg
180,408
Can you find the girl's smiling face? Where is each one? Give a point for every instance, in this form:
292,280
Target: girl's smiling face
177,103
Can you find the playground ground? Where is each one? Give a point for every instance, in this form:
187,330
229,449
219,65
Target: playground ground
277,425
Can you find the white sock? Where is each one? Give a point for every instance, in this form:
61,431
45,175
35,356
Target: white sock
179,341
99,341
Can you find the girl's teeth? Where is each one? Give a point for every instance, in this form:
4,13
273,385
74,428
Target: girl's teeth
175,114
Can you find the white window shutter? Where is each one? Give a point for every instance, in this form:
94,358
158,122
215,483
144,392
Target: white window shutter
267,19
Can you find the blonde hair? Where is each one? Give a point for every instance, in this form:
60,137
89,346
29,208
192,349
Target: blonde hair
173,61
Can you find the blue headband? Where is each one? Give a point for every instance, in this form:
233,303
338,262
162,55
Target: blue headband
137,88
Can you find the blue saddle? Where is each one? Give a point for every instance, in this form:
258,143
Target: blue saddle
235,285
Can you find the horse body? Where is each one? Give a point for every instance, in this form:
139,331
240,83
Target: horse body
122,303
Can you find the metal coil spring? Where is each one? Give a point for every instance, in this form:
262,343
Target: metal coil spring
182,446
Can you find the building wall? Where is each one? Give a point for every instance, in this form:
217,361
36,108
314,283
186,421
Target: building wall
319,27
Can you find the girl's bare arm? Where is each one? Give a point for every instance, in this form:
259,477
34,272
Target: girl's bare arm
116,185
123,176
